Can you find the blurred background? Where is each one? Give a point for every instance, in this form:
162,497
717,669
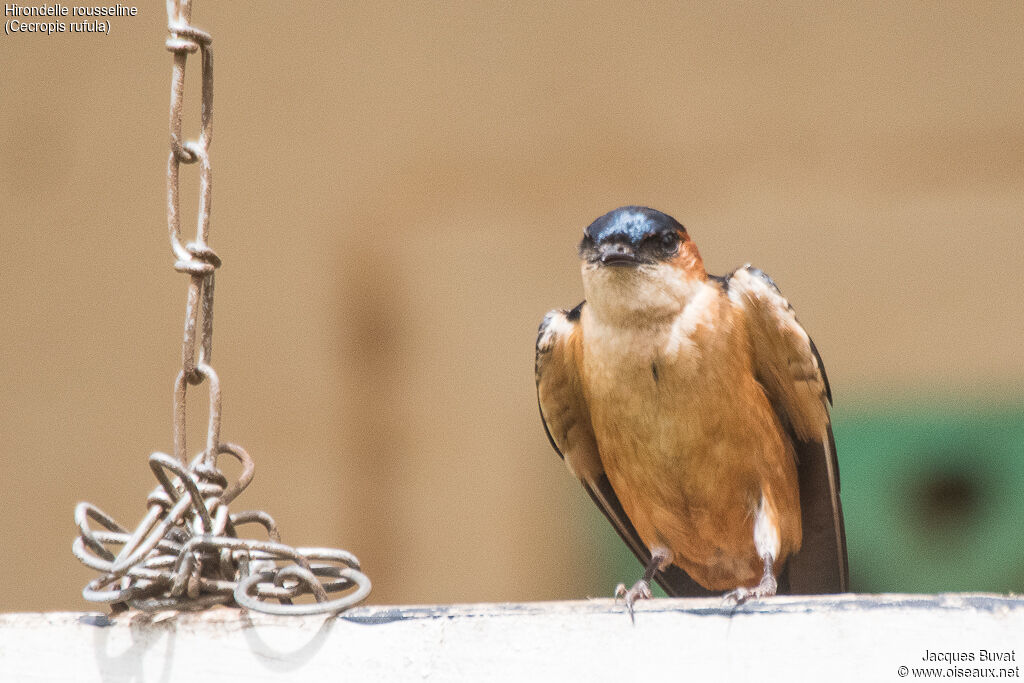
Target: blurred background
398,193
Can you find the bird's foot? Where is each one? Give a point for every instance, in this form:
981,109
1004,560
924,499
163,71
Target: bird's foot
766,589
641,590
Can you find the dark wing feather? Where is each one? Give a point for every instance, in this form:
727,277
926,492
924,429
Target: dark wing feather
788,366
821,566
566,419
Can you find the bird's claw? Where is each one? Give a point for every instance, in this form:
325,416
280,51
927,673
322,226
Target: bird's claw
765,589
641,590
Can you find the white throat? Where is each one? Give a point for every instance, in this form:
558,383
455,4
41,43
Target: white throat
644,295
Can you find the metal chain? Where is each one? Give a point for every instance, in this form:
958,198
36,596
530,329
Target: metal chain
185,554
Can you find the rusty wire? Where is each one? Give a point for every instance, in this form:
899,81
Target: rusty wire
186,554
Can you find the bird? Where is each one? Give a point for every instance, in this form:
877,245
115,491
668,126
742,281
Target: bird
695,411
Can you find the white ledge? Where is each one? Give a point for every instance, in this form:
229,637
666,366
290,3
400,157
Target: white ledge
835,638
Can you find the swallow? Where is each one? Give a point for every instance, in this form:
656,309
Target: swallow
694,409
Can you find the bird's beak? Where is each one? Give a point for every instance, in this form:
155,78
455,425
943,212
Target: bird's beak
617,254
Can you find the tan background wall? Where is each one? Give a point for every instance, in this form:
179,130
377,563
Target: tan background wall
398,190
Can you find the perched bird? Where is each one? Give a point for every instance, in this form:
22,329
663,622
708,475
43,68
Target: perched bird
694,409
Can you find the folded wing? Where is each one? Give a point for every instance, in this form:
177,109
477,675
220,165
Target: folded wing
787,365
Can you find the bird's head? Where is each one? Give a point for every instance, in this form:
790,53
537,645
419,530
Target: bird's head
639,260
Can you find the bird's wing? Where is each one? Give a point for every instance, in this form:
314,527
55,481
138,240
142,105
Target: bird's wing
566,418
788,366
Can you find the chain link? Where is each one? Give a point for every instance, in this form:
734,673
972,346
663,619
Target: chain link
186,554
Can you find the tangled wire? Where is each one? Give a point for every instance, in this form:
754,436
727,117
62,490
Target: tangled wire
186,553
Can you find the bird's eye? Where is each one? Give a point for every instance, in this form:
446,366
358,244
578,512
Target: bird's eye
669,241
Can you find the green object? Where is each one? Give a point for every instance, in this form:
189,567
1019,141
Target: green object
934,497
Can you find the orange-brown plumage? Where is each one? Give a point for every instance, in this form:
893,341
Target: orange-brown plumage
700,507
688,259
691,395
